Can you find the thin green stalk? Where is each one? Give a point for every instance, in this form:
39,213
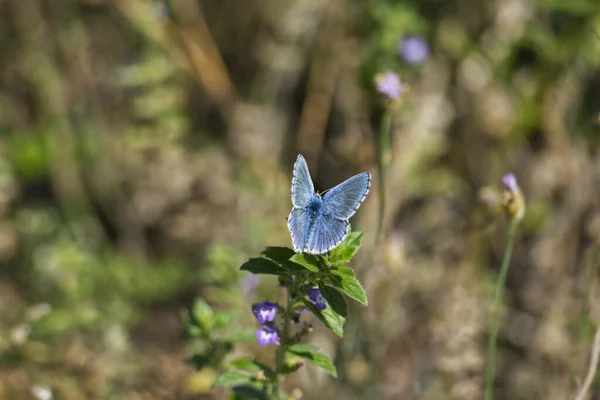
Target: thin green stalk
283,345
491,361
353,329
383,162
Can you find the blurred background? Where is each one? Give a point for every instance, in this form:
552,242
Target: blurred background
147,150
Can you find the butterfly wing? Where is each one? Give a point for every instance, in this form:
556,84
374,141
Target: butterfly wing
298,222
302,186
328,233
342,201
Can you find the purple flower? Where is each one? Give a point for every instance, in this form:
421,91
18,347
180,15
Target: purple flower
267,335
296,319
248,283
315,295
413,49
510,182
389,85
514,202
265,312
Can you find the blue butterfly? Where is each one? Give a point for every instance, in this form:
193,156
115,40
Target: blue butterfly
319,223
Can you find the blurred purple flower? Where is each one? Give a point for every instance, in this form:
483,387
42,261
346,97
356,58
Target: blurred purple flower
160,10
315,295
414,49
265,311
267,335
389,85
248,283
510,182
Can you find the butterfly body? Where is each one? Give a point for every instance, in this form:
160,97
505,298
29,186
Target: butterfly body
319,223
313,215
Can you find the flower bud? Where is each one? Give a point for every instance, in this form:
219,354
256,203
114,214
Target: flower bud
514,202
390,88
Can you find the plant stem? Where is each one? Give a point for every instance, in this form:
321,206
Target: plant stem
589,378
283,345
491,361
353,329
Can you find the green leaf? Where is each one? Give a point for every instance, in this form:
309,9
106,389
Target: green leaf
347,249
190,326
308,261
223,319
252,365
344,279
248,392
334,299
304,348
245,335
191,331
203,314
330,318
246,364
233,378
199,361
313,354
262,266
267,370
278,254
281,256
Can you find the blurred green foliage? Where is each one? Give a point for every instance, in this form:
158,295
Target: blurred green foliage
146,154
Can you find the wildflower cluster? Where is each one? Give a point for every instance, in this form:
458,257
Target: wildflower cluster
414,50
265,314
266,311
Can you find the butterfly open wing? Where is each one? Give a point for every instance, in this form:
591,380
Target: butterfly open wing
302,186
327,234
298,225
342,201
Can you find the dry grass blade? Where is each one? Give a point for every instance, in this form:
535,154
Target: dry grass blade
589,378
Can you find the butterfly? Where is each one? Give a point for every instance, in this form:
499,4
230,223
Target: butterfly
318,223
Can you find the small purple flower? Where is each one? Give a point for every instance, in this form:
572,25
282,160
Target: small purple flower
248,283
389,85
296,319
510,182
265,311
315,295
414,49
267,335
